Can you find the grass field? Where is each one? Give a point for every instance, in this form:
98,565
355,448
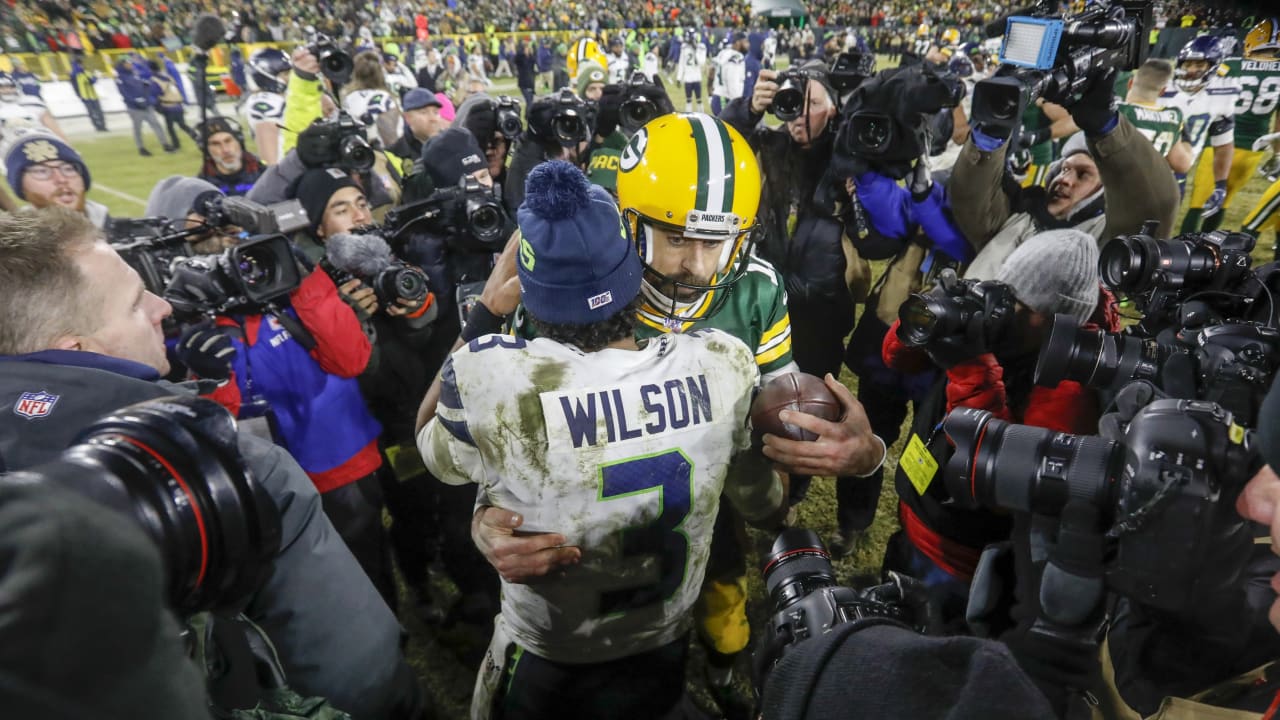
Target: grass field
123,181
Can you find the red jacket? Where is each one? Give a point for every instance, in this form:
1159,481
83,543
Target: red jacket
979,383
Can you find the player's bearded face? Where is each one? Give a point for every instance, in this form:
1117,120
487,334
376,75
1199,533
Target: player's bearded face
683,260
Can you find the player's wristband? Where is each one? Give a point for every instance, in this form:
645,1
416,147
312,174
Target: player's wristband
481,321
884,455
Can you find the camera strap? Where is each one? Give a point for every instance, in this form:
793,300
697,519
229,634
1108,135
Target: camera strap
295,328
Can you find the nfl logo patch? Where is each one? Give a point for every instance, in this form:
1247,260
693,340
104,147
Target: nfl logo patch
32,405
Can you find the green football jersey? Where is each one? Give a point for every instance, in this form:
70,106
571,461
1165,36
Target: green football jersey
754,312
1161,125
1259,82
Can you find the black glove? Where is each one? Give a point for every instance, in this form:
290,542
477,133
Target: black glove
1131,398
1096,109
609,106
1031,138
1054,662
206,351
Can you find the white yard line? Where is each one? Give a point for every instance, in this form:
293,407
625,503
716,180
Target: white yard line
120,194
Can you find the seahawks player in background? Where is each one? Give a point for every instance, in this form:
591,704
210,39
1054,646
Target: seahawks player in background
619,62
1207,99
690,69
729,72
689,191
622,444
1259,120
264,109
369,100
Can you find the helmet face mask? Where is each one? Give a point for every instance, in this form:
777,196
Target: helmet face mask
1204,55
270,69
665,197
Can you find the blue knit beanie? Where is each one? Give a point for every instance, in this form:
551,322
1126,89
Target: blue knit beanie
35,148
577,265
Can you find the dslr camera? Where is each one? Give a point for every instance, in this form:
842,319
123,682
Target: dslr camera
365,254
806,601
570,122
793,85
335,63
957,313
507,111
1165,494
336,143
469,215
246,278
1059,58
638,108
1231,364
173,466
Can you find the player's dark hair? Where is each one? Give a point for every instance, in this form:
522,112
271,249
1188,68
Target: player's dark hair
592,336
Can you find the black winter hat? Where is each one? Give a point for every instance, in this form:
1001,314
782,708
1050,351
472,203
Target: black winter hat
450,155
314,188
888,672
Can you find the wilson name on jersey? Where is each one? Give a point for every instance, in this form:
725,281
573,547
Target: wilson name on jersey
623,452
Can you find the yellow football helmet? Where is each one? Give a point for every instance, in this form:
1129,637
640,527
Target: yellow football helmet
1263,41
950,37
691,174
584,49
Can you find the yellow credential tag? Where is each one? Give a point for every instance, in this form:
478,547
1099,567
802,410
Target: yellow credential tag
918,464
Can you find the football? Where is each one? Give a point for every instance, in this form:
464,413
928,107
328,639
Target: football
795,391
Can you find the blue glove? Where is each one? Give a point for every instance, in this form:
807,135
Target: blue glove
886,203
1213,205
933,214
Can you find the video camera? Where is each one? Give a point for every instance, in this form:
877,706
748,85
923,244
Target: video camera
956,312
1059,58
364,253
336,143
246,278
173,466
469,215
850,68
335,63
151,246
1166,494
886,121
282,218
806,601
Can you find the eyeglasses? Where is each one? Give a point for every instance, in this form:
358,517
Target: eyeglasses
46,172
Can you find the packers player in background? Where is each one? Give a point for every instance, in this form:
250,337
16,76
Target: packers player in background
1207,100
1160,124
689,192
1262,61
1257,73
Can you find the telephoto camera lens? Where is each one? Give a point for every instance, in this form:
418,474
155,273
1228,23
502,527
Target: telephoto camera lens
1138,263
1018,467
173,465
797,564
400,282
925,319
788,102
355,153
1096,358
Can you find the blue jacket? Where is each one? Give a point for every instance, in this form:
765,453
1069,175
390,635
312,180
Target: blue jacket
138,94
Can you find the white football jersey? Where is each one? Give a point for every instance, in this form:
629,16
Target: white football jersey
22,115
619,67
623,452
693,62
731,74
366,105
651,65
1215,102
264,107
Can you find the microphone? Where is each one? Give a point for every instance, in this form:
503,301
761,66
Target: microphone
360,255
207,31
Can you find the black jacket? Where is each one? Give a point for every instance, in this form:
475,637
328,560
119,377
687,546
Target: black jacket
335,635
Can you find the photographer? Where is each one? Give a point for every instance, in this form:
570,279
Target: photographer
556,129
1052,272
84,331
814,259
176,198
480,115
1106,185
228,165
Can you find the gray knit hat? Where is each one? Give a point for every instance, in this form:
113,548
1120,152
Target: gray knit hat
174,196
1055,272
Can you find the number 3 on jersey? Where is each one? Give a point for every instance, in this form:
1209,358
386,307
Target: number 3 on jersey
670,473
